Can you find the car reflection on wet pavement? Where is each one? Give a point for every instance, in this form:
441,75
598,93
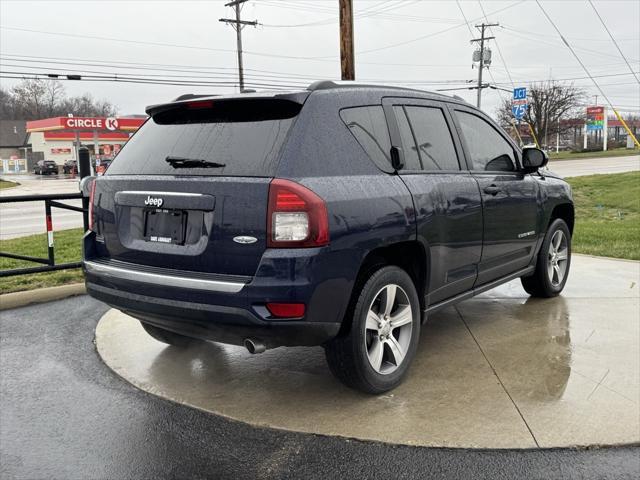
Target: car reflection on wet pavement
498,371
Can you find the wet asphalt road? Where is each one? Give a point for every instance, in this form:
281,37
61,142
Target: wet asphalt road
63,414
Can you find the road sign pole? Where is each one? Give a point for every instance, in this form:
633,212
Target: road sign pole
605,134
584,146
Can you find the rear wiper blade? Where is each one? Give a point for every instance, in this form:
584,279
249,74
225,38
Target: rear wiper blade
182,162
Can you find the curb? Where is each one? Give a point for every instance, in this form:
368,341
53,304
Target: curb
40,295
625,260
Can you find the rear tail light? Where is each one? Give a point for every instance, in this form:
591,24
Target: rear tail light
91,199
286,310
296,216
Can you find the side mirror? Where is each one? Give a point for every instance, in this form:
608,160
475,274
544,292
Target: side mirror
533,159
396,158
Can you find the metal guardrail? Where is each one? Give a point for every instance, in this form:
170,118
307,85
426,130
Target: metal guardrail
49,263
52,201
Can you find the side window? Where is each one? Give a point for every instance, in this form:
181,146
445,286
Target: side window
433,137
369,126
488,149
411,158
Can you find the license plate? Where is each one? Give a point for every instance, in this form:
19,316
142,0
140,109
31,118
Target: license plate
165,226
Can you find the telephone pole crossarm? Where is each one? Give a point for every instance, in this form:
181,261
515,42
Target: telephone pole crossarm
241,22
481,39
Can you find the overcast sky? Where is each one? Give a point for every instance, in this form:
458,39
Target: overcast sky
422,43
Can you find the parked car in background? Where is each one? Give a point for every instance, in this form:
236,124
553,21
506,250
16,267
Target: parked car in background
45,167
342,215
102,166
70,166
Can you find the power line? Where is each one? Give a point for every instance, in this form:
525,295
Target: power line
94,62
182,78
155,44
144,66
586,71
466,22
375,11
422,37
43,64
613,40
504,62
117,79
518,34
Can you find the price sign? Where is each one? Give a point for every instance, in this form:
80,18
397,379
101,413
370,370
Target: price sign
595,118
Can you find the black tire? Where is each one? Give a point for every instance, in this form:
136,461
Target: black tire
170,338
347,354
539,284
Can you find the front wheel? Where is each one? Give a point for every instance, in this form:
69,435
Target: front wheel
552,266
375,354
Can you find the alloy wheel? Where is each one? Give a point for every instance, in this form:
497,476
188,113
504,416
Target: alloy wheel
558,257
388,329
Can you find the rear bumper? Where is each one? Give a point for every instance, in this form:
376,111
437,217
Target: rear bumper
214,322
230,308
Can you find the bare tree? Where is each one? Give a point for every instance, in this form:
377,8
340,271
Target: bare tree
54,94
34,99
549,103
7,105
30,98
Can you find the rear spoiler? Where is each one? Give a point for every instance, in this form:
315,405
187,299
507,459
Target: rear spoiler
184,101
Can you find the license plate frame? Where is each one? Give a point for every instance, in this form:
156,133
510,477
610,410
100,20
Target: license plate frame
163,225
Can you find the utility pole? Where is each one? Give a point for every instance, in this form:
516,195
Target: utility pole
481,58
238,25
347,63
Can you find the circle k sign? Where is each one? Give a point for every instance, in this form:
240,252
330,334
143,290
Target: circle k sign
111,123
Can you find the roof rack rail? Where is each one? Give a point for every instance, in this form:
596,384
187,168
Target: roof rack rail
331,84
336,84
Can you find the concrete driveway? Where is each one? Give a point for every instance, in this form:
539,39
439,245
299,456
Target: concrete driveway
64,414
502,370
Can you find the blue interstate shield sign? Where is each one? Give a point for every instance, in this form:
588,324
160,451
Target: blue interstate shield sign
519,110
519,104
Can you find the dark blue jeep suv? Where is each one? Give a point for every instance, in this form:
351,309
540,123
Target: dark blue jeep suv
341,215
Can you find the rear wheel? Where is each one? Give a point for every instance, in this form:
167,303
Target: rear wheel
165,336
376,353
552,266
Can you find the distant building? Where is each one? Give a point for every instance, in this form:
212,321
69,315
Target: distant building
13,137
58,138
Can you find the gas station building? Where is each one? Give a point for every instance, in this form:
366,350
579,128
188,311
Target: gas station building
59,138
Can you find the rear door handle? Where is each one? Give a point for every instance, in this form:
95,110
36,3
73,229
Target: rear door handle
492,190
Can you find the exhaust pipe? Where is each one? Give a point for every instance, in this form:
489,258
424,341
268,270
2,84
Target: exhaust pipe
254,346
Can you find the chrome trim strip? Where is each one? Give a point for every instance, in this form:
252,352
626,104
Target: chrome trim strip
165,280
166,194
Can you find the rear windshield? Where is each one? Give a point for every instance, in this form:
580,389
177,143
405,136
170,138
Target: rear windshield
230,138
